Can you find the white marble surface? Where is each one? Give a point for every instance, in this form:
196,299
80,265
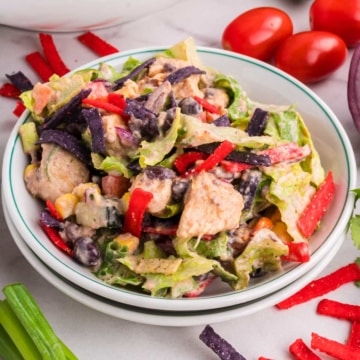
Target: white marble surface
93,335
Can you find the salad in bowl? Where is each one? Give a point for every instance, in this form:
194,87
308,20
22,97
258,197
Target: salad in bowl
164,175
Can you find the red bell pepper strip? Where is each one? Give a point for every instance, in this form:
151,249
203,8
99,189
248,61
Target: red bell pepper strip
19,108
323,285
354,336
298,252
39,65
338,310
215,158
333,348
315,210
105,105
52,55
52,210
97,44
9,90
234,166
117,99
186,160
56,239
286,152
138,203
300,351
207,106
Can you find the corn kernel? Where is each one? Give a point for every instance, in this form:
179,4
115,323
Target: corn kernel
79,191
65,205
280,229
29,170
128,240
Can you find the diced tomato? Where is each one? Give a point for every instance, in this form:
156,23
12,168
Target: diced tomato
234,166
114,185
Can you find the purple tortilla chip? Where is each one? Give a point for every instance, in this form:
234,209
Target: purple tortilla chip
183,73
220,346
257,122
94,121
20,81
60,115
134,73
67,142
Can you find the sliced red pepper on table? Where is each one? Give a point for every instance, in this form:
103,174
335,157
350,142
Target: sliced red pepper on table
184,161
56,239
52,55
315,210
338,310
138,203
298,252
334,348
19,108
354,336
97,44
219,154
39,65
207,106
9,90
300,351
323,285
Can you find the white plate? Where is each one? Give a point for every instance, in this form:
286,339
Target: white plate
155,317
263,83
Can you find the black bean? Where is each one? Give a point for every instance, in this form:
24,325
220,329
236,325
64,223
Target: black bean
86,251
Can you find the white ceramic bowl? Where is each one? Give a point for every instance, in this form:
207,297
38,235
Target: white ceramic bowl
263,83
70,15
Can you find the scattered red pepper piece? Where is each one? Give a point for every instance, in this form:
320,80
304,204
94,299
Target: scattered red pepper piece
184,161
338,310
333,348
97,44
52,55
40,66
323,285
138,203
215,158
298,252
9,90
52,210
300,351
315,210
207,106
354,336
234,166
19,108
105,105
56,239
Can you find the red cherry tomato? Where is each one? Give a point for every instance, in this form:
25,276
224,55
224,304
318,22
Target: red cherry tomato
257,32
311,56
339,17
